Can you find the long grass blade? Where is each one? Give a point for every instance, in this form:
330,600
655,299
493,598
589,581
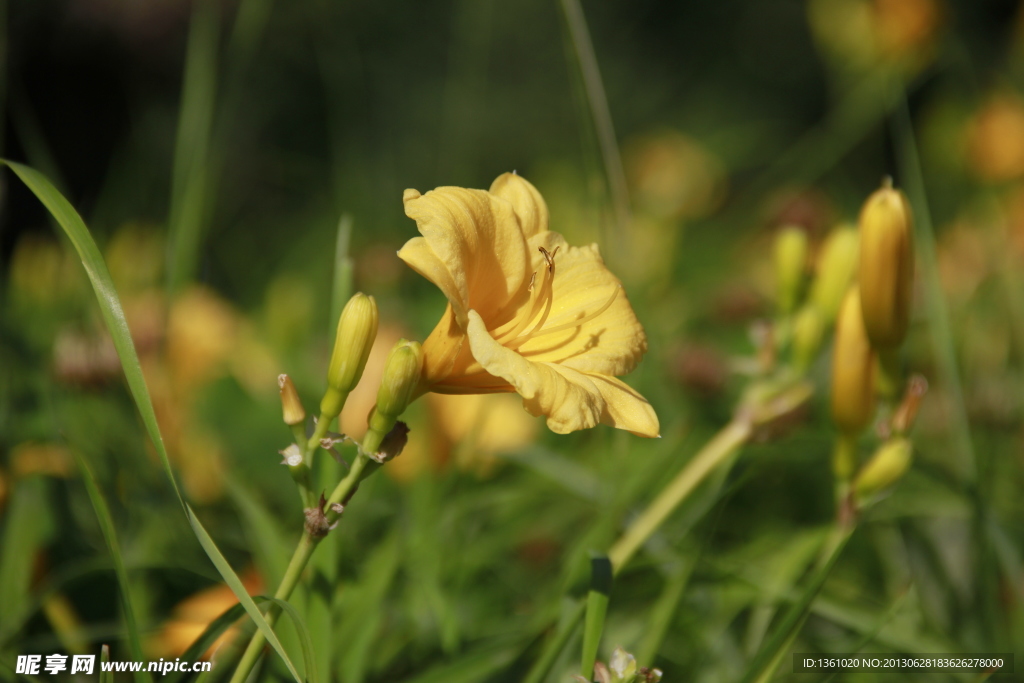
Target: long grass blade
268,543
305,642
105,676
190,175
602,116
938,315
117,326
597,609
102,510
207,638
664,609
24,524
566,627
341,286
235,583
771,653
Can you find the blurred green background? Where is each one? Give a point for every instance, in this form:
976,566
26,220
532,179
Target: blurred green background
215,148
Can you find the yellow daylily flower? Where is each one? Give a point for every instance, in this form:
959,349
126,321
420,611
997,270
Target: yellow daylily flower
526,312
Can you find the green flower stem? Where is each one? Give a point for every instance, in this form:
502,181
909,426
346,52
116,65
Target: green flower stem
715,452
307,544
322,425
554,648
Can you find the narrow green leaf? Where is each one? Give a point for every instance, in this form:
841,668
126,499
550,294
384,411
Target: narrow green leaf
99,506
250,23
308,656
664,609
362,610
238,589
117,326
341,287
190,177
10,675
935,301
24,532
566,627
105,676
567,473
770,654
265,537
597,609
473,666
597,102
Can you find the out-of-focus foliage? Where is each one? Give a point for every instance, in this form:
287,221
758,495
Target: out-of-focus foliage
735,118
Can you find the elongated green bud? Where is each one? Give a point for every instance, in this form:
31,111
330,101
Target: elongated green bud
790,263
889,463
397,386
357,328
808,331
886,271
401,376
853,371
837,264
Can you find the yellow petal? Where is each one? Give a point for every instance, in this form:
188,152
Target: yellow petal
613,342
476,239
570,399
625,408
529,206
421,258
449,366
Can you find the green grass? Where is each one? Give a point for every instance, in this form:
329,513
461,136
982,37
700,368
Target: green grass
276,165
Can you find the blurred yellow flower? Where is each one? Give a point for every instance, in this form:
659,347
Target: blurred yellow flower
480,427
51,459
193,614
673,176
995,138
526,312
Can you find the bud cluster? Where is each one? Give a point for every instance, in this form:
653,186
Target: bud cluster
862,286
386,436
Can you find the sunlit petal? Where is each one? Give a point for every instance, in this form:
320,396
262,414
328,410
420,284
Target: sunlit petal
527,312
477,238
530,207
570,399
421,258
611,343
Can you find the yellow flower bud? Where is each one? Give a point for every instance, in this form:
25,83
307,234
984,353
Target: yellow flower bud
886,466
886,266
836,265
397,386
790,262
400,379
357,328
291,406
853,396
808,330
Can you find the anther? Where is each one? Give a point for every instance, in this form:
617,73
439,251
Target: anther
549,256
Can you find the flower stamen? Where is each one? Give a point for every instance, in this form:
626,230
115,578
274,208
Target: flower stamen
539,295
535,334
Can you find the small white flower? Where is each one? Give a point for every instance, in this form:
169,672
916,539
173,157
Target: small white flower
292,456
622,663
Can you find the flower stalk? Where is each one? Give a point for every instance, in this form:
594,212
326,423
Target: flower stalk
346,488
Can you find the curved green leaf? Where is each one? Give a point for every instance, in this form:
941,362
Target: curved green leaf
304,640
113,316
99,505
